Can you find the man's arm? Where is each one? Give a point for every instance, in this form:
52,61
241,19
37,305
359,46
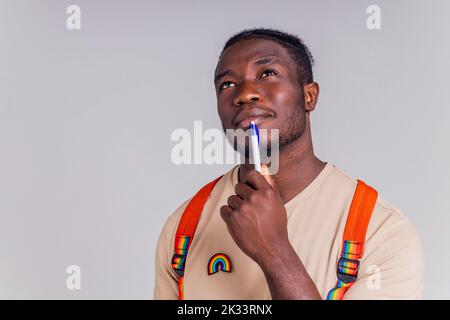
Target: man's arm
287,277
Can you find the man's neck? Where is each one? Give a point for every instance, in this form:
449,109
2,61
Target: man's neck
298,167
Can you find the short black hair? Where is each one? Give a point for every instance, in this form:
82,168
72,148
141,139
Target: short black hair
298,51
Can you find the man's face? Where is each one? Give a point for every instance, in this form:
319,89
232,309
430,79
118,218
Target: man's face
257,80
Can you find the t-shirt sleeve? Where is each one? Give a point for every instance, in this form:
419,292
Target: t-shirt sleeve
393,262
166,280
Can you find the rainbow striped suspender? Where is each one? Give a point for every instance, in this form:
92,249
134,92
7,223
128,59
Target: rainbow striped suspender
353,239
186,230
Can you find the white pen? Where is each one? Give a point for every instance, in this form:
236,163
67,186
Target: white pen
254,145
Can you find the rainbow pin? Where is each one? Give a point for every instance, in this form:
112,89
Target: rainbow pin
219,262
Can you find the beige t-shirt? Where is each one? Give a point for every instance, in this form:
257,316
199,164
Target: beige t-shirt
392,266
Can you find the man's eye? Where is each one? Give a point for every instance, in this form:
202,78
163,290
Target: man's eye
226,84
267,73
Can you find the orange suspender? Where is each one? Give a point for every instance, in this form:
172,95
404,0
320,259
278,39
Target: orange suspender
353,239
186,230
352,247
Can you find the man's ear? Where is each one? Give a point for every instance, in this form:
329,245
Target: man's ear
311,94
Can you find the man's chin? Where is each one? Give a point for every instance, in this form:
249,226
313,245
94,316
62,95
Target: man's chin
265,150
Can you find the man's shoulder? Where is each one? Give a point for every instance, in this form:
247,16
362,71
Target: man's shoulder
384,211
390,232
173,219
390,223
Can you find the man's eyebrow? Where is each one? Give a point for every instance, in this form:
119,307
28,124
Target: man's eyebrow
221,75
266,60
258,62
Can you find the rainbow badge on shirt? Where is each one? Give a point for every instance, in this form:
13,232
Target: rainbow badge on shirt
219,261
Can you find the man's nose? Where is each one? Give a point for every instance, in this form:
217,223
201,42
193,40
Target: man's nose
247,94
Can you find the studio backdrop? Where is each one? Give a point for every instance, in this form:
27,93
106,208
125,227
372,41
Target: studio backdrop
93,91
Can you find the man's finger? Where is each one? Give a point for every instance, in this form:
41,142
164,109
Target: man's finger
254,179
234,202
243,190
226,212
266,174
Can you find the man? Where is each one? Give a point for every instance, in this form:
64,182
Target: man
281,234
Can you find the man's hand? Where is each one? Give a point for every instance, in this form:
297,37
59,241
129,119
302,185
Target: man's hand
257,221
256,218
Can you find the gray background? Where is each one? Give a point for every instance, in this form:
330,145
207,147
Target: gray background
86,118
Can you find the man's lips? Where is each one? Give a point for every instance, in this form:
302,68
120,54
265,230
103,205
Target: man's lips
243,119
245,123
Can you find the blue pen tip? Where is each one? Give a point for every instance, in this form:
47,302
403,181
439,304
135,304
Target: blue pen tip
254,129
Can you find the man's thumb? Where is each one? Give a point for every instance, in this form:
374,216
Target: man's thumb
265,173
